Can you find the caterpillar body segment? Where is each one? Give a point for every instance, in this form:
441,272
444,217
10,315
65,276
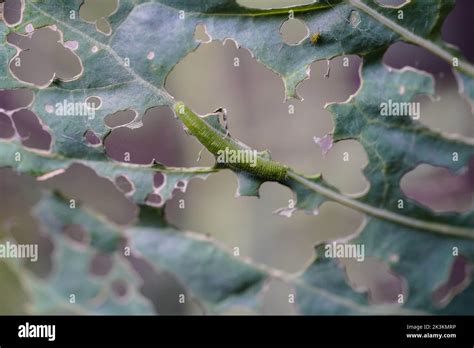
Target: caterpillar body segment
216,142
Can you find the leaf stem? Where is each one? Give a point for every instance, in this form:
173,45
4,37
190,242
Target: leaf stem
413,38
384,214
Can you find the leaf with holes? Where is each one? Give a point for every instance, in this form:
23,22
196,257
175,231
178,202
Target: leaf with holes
123,60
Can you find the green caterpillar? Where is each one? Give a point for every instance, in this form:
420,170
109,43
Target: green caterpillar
216,142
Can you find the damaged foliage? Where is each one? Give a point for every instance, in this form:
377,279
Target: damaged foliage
120,71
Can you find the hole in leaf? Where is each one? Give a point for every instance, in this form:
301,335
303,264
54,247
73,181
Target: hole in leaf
97,11
201,34
92,138
154,200
294,31
101,264
293,123
382,284
401,54
97,192
103,26
346,156
14,99
181,185
119,288
13,12
454,28
459,279
30,130
343,81
154,140
120,118
76,233
124,184
94,102
281,249
176,191
6,127
158,180
42,58
439,189
448,101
